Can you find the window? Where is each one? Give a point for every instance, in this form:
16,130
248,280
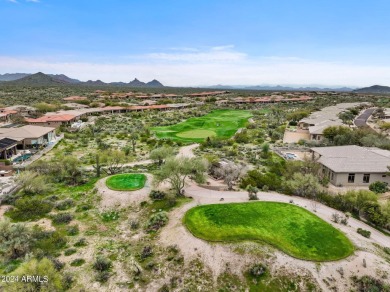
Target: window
366,178
351,178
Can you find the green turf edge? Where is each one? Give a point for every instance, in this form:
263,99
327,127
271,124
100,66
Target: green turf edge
350,244
127,189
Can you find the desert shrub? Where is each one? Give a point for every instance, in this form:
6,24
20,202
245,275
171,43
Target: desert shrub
336,217
257,270
72,230
370,284
134,224
65,204
102,264
146,252
41,268
83,207
49,242
157,195
77,262
67,281
364,232
15,240
58,265
29,209
164,288
102,277
109,216
379,187
252,192
156,221
81,242
259,180
344,221
70,251
62,218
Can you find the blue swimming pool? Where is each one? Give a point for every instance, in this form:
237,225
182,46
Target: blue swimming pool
23,157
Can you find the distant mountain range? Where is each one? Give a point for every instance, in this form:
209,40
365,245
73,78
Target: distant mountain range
52,79
279,88
374,89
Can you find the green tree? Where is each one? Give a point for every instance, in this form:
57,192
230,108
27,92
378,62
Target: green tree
97,166
379,187
15,240
330,133
29,209
176,170
32,183
161,153
133,139
303,185
358,199
70,170
112,160
51,279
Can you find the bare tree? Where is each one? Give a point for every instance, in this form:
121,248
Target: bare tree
230,173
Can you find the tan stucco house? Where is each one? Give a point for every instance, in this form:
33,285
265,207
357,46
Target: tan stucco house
29,136
353,165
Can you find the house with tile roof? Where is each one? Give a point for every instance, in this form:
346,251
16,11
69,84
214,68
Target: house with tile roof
353,165
29,136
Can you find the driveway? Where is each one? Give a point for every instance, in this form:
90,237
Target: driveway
361,121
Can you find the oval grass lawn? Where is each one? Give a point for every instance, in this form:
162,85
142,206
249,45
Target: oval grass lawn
292,229
126,182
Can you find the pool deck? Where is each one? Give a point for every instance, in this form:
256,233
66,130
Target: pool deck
39,154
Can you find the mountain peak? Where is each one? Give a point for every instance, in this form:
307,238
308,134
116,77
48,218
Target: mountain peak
374,89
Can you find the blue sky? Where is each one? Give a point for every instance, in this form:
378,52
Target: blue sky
183,42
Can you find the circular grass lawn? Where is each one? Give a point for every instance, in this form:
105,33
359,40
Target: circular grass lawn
292,229
196,134
126,182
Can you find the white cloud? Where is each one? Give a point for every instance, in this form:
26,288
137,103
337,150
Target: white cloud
34,1
222,48
210,68
13,1
215,54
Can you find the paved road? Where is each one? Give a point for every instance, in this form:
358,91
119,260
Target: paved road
361,121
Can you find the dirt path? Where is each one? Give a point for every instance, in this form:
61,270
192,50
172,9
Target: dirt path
187,151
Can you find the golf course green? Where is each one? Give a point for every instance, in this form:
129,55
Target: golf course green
218,123
126,182
289,228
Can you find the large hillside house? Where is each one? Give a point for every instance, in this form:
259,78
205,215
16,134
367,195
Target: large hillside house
353,165
312,127
29,136
7,148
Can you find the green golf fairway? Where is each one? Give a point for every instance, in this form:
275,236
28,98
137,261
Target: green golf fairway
292,229
219,123
197,134
126,182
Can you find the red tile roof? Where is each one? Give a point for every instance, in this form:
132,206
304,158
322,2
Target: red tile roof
52,118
